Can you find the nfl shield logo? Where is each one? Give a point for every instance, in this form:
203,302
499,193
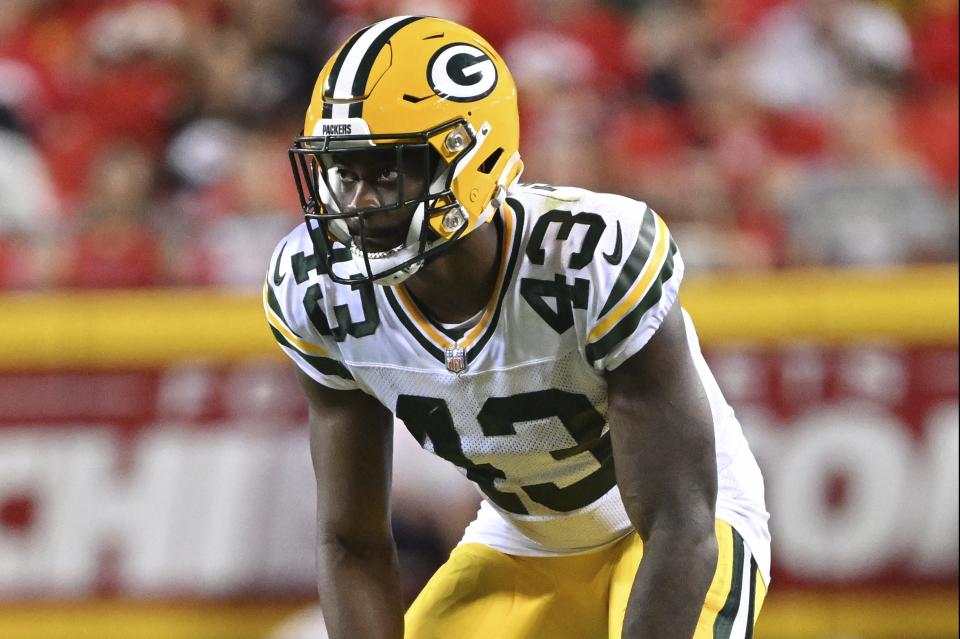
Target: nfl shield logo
456,359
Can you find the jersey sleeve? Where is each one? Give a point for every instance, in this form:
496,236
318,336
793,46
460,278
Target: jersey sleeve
283,302
630,298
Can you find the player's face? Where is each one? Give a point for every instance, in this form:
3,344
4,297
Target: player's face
372,179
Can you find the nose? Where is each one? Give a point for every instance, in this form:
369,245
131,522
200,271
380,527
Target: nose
364,196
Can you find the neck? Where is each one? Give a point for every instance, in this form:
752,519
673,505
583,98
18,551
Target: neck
455,286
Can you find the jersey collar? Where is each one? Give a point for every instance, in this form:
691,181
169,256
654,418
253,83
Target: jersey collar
429,336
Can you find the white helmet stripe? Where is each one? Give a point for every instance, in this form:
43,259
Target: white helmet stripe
360,57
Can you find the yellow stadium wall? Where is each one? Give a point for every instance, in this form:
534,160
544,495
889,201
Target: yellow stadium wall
123,328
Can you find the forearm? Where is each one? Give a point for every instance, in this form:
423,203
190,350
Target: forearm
360,590
671,584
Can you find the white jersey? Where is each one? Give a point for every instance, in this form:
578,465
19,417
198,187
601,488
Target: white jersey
518,401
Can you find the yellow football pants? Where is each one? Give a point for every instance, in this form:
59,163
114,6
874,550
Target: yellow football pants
480,593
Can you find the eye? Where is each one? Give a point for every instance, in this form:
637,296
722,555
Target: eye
346,176
388,175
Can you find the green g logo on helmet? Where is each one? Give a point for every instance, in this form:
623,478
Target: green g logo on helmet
462,73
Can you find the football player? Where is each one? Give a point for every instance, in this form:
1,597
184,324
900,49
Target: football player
528,334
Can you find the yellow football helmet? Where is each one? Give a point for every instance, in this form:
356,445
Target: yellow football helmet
426,93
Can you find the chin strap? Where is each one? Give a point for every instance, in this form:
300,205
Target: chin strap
508,177
399,276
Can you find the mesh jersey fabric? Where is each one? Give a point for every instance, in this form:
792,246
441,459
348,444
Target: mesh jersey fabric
584,282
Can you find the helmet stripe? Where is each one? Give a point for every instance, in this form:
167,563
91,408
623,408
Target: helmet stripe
355,61
338,63
335,71
366,64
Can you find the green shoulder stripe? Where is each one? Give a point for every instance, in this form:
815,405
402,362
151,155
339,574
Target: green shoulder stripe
324,365
274,305
626,326
634,264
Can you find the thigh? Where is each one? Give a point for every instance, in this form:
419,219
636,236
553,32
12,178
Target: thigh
732,602
480,593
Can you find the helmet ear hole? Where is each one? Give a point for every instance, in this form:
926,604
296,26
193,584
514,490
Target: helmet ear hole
490,162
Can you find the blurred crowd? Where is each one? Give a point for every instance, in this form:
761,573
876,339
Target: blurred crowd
143,142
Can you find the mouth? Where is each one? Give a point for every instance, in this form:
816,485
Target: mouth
378,243
382,233
380,239
374,250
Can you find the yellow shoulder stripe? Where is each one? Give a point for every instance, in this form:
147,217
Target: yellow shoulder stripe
290,336
650,271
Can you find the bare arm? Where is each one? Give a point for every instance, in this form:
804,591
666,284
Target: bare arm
351,442
663,446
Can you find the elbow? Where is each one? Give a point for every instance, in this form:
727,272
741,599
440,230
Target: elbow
703,544
692,528
694,539
365,544
690,547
